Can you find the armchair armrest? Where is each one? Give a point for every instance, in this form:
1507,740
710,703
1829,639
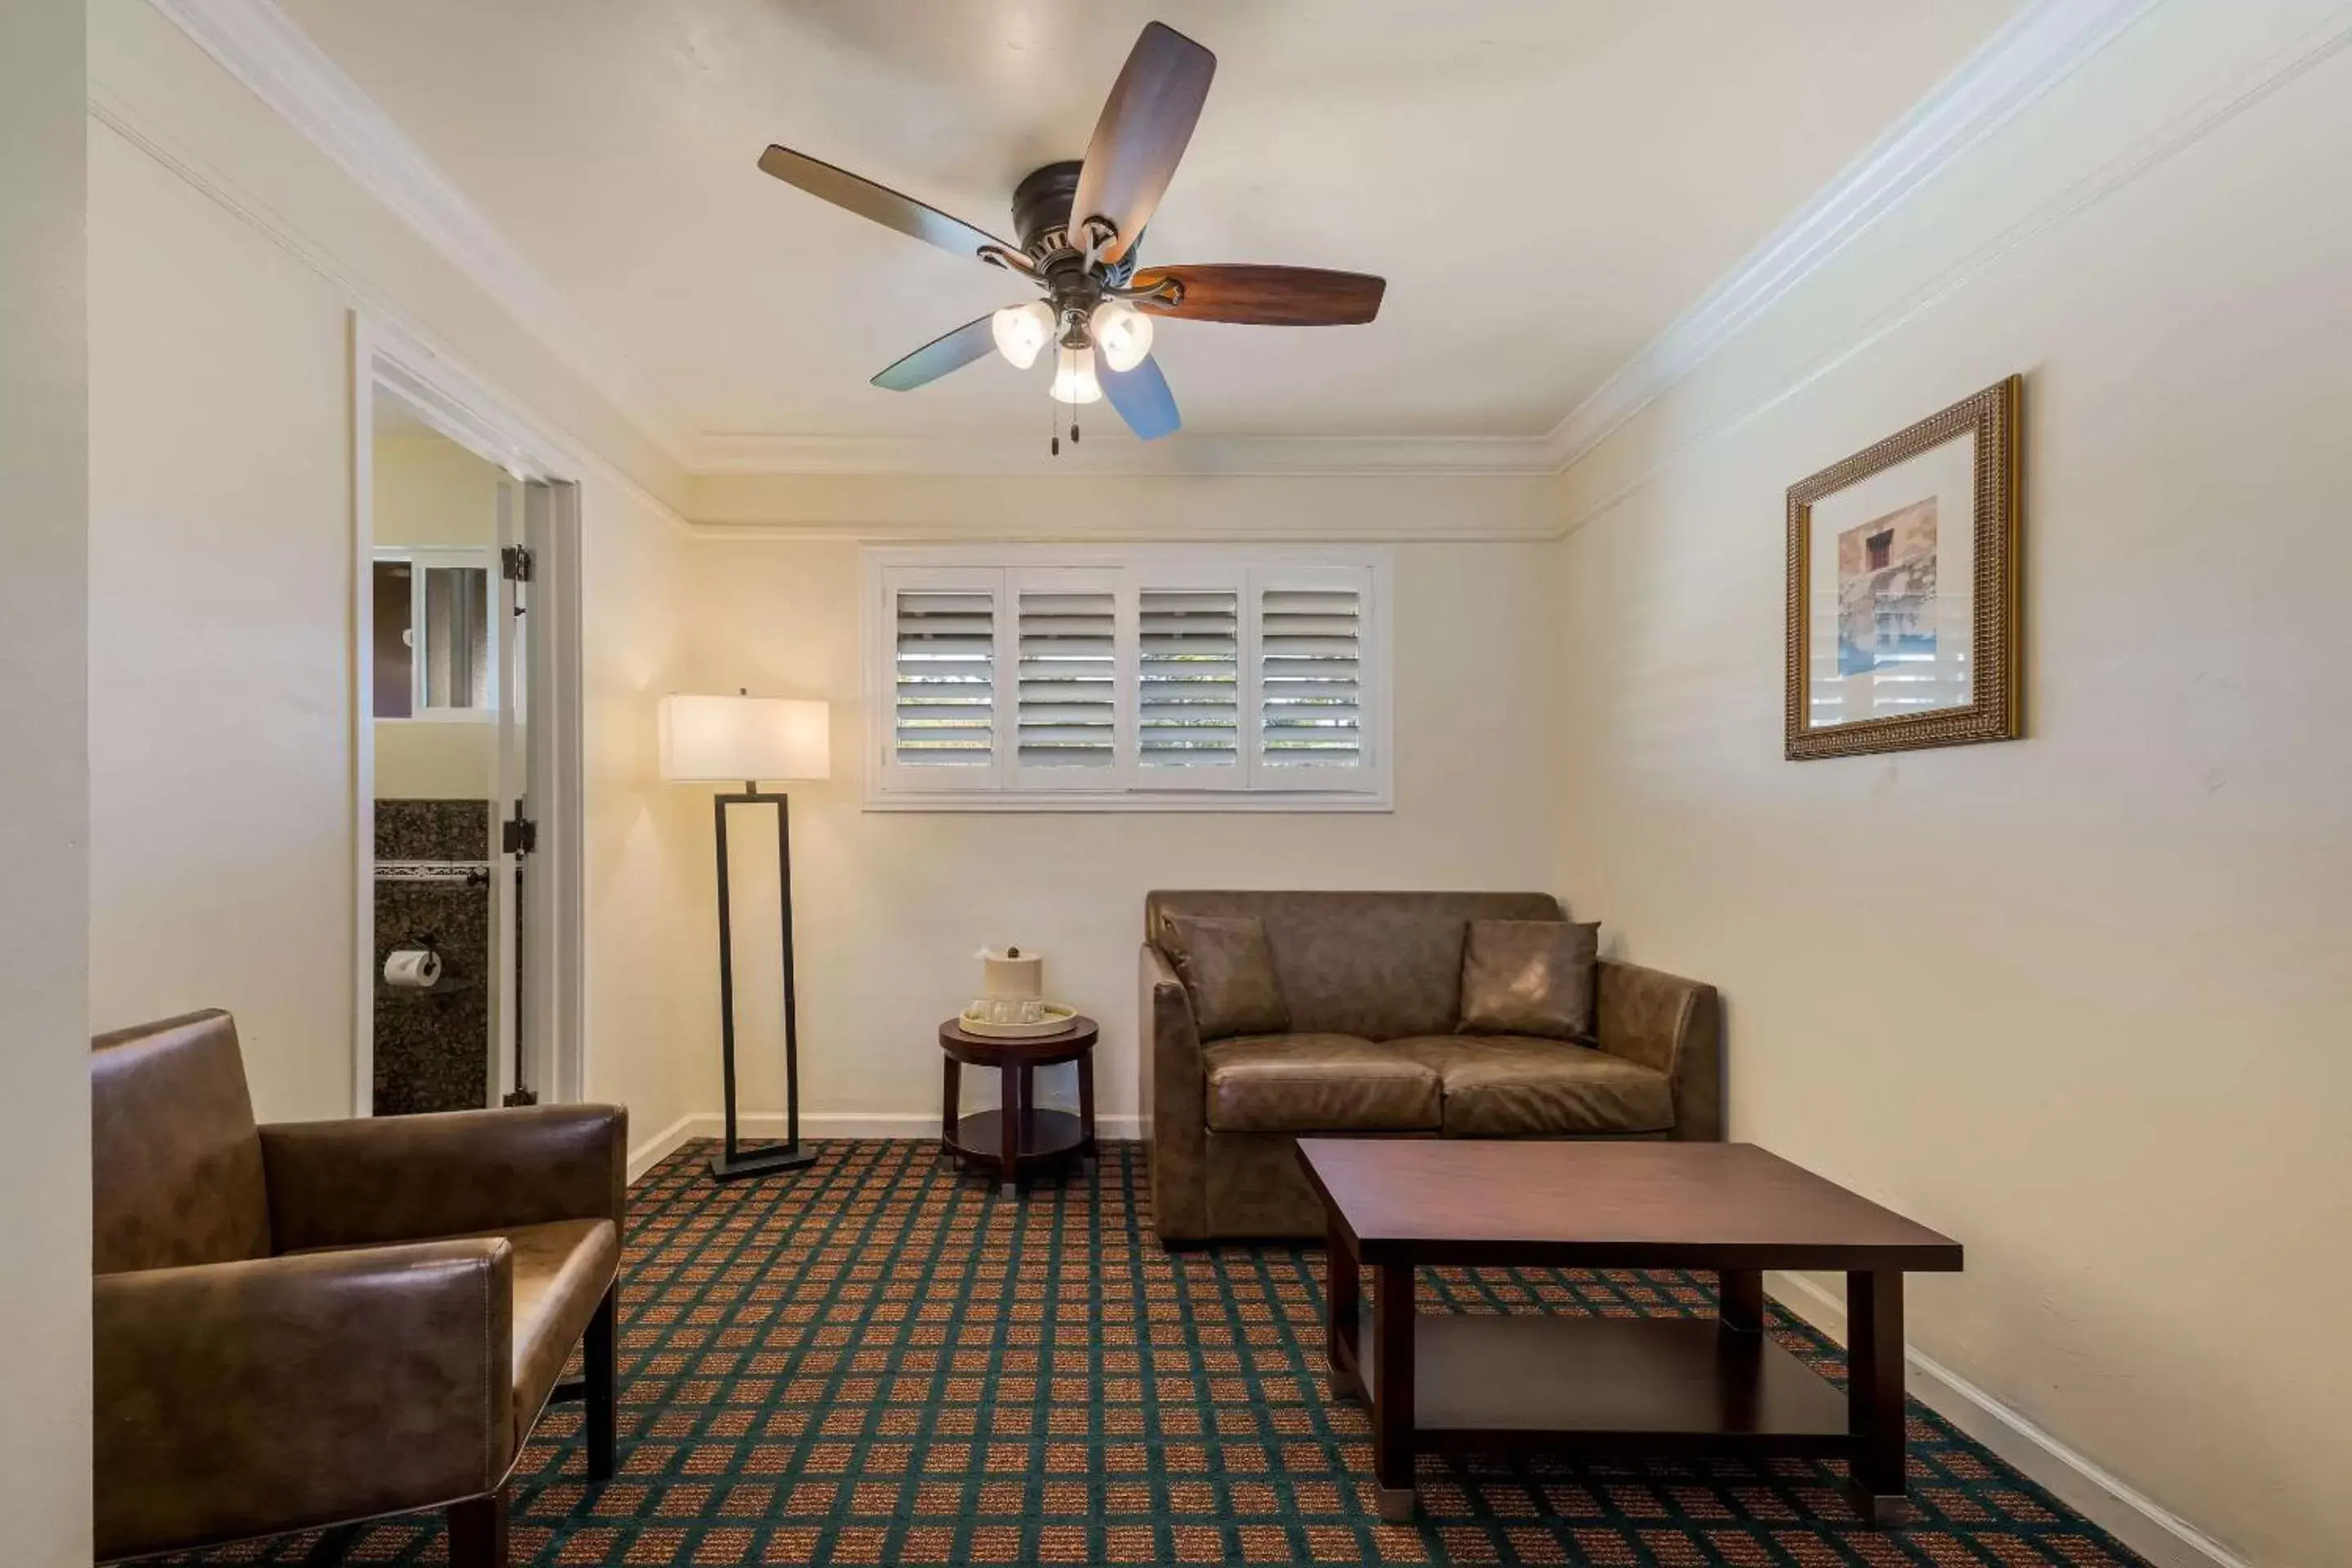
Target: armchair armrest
1175,1101
401,1178
1674,1025
237,1398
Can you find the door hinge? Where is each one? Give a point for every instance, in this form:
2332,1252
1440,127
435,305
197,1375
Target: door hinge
516,564
521,837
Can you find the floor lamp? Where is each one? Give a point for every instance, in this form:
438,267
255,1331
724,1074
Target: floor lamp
720,739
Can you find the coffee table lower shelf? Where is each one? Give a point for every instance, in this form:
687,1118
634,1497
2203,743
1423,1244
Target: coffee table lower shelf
1659,1383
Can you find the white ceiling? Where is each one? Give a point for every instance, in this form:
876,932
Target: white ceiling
1544,184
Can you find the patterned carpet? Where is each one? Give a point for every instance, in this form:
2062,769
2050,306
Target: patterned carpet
880,1361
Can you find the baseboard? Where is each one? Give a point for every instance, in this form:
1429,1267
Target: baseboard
644,1156
824,1125
2132,1517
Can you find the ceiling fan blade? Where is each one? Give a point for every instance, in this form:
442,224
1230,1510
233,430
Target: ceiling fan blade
883,205
972,341
1145,124
1141,398
1266,295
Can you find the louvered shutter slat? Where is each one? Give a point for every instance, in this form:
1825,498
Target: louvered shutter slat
1189,678
1310,649
1067,692
945,688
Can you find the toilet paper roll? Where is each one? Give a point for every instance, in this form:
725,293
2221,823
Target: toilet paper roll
411,969
1008,979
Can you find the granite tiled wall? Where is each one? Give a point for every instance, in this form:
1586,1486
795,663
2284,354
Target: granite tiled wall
432,1048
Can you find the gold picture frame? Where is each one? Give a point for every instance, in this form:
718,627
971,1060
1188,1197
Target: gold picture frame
1895,652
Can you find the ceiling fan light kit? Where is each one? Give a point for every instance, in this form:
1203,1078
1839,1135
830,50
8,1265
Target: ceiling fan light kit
1081,223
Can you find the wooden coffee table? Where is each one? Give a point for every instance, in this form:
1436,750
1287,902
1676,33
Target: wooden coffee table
1020,1137
1612,1382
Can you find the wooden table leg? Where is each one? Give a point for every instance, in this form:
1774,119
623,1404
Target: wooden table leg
478,1532
951,1104
1087,1109
1028,1108
1392,1396
1739,1299
1874,1307
1341,1295
1015,1079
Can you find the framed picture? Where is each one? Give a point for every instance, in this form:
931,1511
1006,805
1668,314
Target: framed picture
1902,589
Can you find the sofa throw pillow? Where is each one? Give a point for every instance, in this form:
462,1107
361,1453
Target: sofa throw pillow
1529,977
1226,964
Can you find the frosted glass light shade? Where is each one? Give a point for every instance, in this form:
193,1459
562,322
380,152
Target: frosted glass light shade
737,739
1122,332
1074,377
1021,330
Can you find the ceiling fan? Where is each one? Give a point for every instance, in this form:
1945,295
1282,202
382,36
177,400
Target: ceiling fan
1080,225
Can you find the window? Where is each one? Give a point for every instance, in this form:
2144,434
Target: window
434,635
1141,678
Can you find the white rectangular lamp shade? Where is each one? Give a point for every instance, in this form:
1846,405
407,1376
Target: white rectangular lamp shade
742,738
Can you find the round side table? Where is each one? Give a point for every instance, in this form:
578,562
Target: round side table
1020,1137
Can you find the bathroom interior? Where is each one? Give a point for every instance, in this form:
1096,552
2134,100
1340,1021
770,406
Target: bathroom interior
445,629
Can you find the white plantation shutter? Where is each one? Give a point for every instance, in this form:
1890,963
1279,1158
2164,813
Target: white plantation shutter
1011,677
944,680
1313,669
1067,714
1189,687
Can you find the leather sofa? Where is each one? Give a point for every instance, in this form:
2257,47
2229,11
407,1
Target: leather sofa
1373,984
311,1323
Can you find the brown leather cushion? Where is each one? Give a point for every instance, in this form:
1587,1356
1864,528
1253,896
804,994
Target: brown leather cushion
1381,966
562,1269
1228,969
1504,1086
1529,977
175,1160
1316,1083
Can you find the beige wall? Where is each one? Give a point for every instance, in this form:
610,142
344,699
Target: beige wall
430,490
435,760
891,906
222,716
45,1423
220,632
2082,1000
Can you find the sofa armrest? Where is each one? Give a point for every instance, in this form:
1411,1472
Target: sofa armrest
1674,1025
403,1178
1175,1102
233,1399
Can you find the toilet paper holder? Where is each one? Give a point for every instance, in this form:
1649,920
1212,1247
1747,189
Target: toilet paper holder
428,942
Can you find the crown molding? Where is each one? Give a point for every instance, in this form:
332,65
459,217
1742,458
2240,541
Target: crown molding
262,47
258,44
2035,50
1297,455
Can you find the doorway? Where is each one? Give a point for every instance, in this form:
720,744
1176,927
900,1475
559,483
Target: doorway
465,796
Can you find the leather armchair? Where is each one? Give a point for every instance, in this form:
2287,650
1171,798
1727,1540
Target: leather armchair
310,1325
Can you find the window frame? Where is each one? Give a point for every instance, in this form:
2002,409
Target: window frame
420,559
1131,570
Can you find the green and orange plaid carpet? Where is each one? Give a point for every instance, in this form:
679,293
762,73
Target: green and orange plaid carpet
880,1361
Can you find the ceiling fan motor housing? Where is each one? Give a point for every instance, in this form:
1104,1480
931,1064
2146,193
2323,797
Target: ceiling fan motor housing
1041,215
1040,207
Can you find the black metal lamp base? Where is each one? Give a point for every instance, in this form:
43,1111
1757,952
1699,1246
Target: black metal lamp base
759,1162
732,1161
